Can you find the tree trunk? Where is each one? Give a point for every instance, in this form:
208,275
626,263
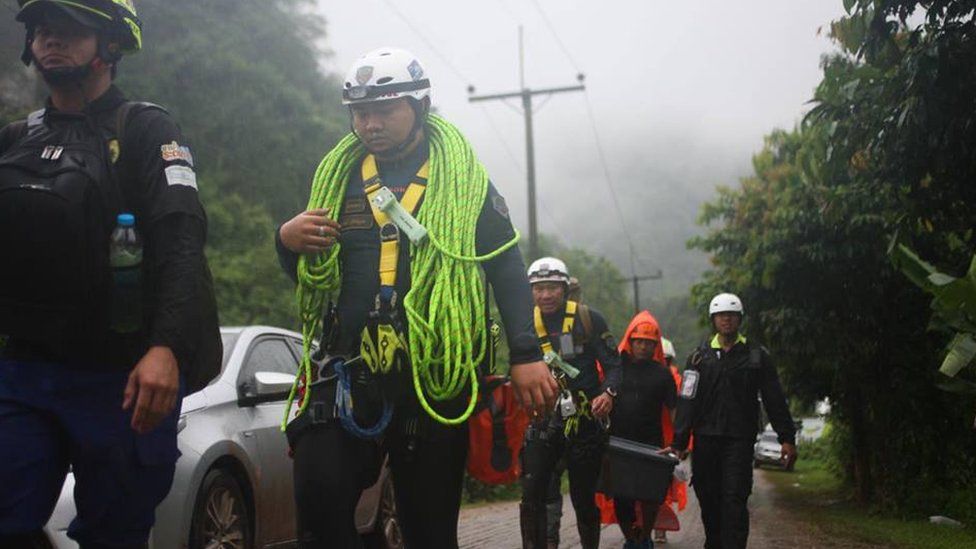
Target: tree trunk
862,444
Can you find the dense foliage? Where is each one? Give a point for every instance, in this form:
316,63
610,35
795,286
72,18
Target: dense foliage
887,150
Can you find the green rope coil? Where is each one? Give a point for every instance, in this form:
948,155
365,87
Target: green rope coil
446,301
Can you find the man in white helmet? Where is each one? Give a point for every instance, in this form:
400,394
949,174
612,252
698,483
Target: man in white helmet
569,333
411,306
718,404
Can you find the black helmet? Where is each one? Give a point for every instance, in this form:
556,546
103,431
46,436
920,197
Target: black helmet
116,20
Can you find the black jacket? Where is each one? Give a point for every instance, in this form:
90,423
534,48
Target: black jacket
720,394
597,346
360,253
646,390
158,183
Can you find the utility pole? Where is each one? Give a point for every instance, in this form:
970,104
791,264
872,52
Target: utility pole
636,280
526,95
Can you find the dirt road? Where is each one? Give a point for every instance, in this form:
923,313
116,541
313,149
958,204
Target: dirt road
772,527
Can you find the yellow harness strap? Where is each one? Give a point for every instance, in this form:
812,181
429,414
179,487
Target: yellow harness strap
540,326
389,234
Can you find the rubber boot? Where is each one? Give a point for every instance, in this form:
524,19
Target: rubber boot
533,523
589,534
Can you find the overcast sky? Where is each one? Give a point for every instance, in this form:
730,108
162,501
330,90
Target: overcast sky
682,93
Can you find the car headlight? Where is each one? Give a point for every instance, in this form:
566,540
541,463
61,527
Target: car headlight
181,424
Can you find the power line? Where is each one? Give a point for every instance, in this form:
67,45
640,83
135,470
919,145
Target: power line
599,144
514,159
552,30
423,38
613,193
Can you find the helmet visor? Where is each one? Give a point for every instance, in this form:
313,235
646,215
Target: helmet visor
362,94
34,12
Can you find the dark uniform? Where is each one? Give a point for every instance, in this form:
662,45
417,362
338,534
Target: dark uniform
647,388
427,458
719,404
546,441
60,404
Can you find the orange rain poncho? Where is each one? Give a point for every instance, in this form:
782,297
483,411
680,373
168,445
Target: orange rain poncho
644,325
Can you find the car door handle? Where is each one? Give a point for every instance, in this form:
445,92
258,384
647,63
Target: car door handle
248,434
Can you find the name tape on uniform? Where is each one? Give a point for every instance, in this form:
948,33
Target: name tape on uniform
181,175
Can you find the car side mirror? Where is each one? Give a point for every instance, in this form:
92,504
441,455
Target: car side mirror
265,387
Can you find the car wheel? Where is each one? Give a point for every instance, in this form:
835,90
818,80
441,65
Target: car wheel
386,532
755,464
221,519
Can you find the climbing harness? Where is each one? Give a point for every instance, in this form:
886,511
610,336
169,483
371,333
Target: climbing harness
447,337
567,348
344,406
569,407
384,345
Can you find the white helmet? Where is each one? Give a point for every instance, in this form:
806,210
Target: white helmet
667,347
725,303
548,269
384,74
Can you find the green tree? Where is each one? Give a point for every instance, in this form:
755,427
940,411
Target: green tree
885,150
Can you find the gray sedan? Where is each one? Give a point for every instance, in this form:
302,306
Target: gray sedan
233,483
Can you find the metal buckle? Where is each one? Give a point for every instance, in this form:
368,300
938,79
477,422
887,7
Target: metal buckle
389,232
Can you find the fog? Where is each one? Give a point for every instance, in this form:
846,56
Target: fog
682,94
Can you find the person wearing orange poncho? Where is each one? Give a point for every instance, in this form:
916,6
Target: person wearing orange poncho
678,493
641,413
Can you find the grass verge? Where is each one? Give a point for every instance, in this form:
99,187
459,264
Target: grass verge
815,495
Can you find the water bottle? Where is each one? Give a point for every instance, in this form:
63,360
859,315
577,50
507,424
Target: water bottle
125,258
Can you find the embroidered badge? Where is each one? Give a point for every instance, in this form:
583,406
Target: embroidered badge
689,384
173,151
498,203
113,150
351,221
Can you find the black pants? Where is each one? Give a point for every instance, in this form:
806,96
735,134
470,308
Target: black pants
722,478
544,445
332,468
554,504
626,511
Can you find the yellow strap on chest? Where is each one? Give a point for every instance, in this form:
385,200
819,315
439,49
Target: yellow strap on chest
540,327
389,234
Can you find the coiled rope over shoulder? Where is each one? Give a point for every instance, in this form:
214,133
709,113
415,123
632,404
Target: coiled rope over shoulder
446,301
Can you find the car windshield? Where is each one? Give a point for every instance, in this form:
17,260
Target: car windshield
769,437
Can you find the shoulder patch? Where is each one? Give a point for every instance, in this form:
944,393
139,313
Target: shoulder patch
498,203
173,151
689,384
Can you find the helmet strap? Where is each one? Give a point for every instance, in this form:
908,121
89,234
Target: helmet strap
108,51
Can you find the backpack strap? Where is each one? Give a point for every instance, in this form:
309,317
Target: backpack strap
126,111
22,128
35,119
587,320
755,356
